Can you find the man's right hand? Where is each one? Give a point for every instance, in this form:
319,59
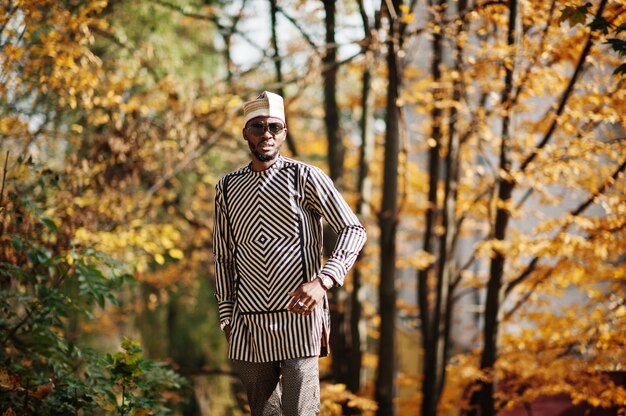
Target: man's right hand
227,332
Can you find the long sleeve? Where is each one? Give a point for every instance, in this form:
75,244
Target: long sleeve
223,257
324,198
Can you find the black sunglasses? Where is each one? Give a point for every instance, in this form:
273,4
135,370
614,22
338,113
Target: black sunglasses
258,129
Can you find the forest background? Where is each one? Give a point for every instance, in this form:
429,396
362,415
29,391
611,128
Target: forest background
480,142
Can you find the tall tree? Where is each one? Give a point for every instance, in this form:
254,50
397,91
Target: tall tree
336,154
432,318
388,220
504,184
363,191
447,240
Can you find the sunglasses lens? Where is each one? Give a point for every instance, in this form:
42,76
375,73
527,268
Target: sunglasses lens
256,129
276,128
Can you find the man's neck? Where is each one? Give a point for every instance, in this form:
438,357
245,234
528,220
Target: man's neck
258,165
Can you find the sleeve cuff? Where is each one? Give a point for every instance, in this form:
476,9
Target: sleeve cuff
225,310
335,271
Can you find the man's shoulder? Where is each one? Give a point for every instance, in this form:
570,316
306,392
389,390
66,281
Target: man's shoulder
303,166
220,183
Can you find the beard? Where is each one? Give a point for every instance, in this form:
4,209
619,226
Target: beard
268,157
263,157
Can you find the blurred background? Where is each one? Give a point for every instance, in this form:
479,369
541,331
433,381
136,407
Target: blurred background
481,143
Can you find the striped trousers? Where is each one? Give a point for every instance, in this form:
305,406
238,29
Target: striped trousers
281,388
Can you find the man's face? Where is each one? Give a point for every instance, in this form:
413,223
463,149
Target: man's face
265,137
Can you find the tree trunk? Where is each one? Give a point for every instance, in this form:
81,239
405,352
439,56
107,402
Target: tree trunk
388,218
431,335
291,145
363,185
331,112
338,342
483,399
447,260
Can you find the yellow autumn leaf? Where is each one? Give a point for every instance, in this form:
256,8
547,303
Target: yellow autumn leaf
407,18
159,258
176,253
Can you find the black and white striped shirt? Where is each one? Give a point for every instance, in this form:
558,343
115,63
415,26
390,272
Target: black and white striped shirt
267,241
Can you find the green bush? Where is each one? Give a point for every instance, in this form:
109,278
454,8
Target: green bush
45,290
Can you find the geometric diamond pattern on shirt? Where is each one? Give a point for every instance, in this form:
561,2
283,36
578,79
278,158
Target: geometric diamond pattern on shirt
268,240
270,257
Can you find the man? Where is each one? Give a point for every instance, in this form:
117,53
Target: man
270,282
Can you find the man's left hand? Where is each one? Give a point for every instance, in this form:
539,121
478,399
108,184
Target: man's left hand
306,297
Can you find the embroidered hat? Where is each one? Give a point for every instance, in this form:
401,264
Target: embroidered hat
267,104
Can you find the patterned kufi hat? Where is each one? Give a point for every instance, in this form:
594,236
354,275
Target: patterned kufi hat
267,104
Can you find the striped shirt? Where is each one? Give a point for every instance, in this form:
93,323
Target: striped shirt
267,241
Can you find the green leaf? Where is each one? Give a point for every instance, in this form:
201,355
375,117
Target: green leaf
618,45
620,70
48,222
44,255
131,346
600,24
112,299
17,243
100,299
32,256
575,15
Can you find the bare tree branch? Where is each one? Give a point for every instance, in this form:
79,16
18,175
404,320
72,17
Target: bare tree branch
213,19
7,16
192,156
4,177
117,41
305,35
